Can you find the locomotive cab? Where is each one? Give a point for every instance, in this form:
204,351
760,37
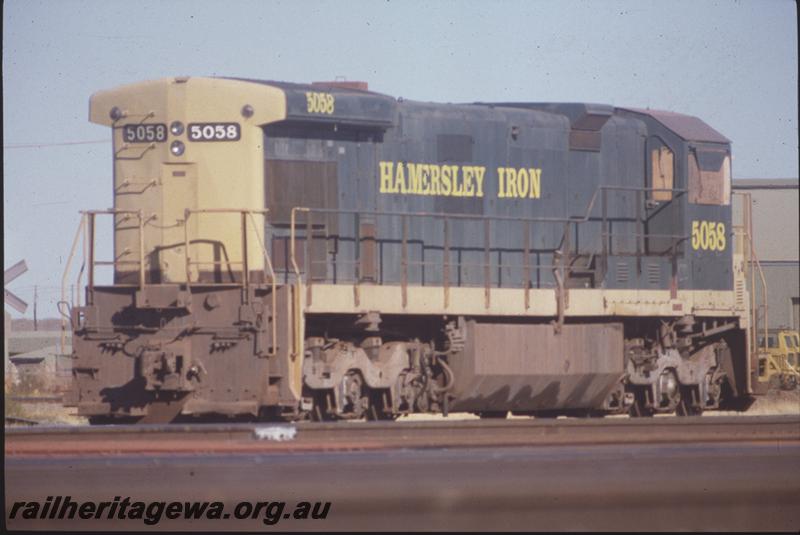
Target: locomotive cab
191,277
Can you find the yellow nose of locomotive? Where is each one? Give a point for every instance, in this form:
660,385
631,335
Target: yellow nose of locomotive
188,160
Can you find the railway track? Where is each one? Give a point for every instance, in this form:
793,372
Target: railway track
350,436
708,474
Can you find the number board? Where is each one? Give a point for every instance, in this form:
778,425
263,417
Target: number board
144,133
319,102
214,132
708,236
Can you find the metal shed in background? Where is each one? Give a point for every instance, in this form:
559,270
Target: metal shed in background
776,237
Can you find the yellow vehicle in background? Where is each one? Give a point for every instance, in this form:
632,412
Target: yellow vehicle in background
792,339
779,359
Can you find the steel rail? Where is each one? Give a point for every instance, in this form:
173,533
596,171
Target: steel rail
306,436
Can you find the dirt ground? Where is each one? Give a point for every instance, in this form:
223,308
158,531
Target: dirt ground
48,413
45,412
775,402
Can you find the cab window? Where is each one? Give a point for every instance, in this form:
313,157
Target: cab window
662,165
709,177
788,341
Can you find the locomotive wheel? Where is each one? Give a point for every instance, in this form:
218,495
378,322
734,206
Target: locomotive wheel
354,395
685,406
669,391
321,411
639,408
377,407
684,409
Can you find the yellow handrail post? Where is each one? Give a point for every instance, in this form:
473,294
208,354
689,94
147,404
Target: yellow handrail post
64,278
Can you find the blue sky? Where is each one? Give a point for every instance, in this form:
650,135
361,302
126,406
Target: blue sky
732,63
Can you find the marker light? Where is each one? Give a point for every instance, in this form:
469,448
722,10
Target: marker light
247,111
176,128
177,148
116,114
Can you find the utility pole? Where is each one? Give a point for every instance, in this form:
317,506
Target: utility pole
35,299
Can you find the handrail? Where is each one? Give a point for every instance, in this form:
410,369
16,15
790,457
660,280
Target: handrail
446,215
86,230
64,278
763,280
292,216
294,318
753,265
569,224
89,243
246,214
752,260
274,297
188,262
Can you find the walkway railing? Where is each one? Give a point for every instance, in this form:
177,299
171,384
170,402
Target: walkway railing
86,231
564,253
753,266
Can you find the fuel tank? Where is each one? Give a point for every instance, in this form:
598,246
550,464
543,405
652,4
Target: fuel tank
506,366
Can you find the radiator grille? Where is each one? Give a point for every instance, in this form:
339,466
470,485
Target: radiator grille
623,272
654,274
740,293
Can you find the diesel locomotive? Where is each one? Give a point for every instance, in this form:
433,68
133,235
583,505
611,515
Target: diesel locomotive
287,251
